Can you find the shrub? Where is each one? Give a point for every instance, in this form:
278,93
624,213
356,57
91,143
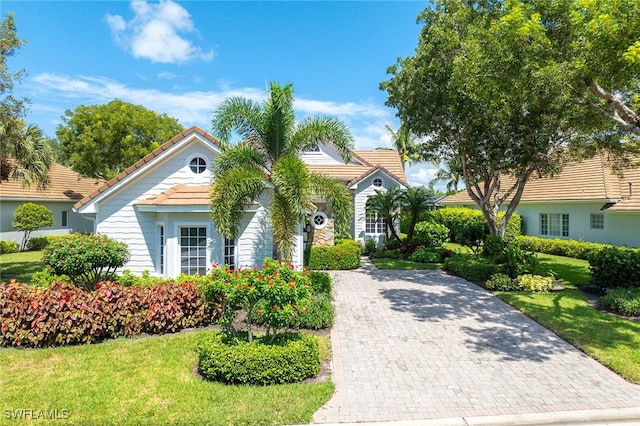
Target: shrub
320,283
559,247
318,315
514,226
493,248
501,282
128,279
430,234
44,278
29,217
369,247
343,256
37,243
613,267
472,233
288,358
426,255
388,254
623,301
9,247
457,218
86,258
471,268
534,283
392,244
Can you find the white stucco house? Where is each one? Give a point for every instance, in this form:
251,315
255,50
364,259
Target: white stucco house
586,201
65,189
160,206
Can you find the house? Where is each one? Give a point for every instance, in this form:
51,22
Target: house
65,189
586,201
160,207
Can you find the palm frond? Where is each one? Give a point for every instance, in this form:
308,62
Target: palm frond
239,156
313,130
239,115
337,197
283,223
278,119
291,179
34,155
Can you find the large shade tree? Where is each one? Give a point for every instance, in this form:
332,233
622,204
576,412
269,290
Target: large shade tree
25,153
267,157
486,86
103,140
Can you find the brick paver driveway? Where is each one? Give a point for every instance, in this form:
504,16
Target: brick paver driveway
424,345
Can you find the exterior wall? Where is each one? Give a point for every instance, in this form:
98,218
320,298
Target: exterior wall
326,155
256,239
75,221
362,193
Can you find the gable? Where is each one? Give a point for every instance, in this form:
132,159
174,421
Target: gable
326,154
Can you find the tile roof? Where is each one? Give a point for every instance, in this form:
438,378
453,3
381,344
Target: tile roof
588,180
147,158
387,158
65,185
181,195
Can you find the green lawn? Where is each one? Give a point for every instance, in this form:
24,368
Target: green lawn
145,381
20,266
405,265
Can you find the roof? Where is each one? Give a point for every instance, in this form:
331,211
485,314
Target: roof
386,160
587,180
181,195
146,159
65,185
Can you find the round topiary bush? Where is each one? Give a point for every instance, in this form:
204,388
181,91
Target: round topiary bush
288,358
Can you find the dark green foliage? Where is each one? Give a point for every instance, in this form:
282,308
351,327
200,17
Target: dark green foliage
319,314
344,256
321,283
37,243
288,358
559,247
86,258
426,255
469,267
514,226
613,267
623,301
430,234
388,254
29,217
459,219
472,232
501,282
392,244
64,314
493,248
515,260
9,247
128,279
369,247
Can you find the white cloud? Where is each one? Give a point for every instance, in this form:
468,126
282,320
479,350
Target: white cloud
421,174
154,33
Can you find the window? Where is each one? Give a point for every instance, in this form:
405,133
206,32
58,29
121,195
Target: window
198,165
554,224
377,182
230,252
597,221
65,218
315,148
193,250
319,220
373,224
161,240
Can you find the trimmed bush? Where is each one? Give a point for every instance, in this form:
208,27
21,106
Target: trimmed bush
534,283
369,247
613,267
623,301
343,256
559,247
86,258
318,315
37,243
426,255
493,248
458,218
501,282
287,358
430,234
29,217
9,247
321,283
469,267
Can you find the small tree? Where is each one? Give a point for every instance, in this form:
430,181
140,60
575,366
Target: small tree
387,205
30,217
85,258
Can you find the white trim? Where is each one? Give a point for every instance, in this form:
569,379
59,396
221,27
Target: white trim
324,222
176,246
198,208
192,157
161,250
384,173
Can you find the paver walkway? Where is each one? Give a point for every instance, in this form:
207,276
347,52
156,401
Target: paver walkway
416,345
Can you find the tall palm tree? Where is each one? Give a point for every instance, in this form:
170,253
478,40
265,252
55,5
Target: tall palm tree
405,143
268,157
451,174
388,205
415,200
26,154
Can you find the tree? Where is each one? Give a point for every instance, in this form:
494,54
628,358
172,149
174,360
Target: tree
451,174
25,154
482,87
29,217
405,143
268,157
388,206
414,201
103,140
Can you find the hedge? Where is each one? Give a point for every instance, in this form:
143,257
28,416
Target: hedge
9,247
613,267
557,246
343,256
471,268
457,219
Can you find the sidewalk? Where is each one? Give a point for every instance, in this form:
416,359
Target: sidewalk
413,346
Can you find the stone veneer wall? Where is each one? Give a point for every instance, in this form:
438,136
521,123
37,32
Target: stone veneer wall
322,237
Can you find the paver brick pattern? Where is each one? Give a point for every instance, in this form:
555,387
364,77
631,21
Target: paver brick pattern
412,345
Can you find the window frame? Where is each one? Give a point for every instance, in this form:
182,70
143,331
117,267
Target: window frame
554,224
600,221
65,218
372,221
201,269
229,252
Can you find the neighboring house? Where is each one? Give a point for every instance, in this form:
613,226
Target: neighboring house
65,189
586,201
160,207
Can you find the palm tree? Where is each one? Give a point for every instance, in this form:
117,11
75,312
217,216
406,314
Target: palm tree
415,200
387,205
26,155
405,143
451,174
268,157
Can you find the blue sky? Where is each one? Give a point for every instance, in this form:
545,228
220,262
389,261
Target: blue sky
182,58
